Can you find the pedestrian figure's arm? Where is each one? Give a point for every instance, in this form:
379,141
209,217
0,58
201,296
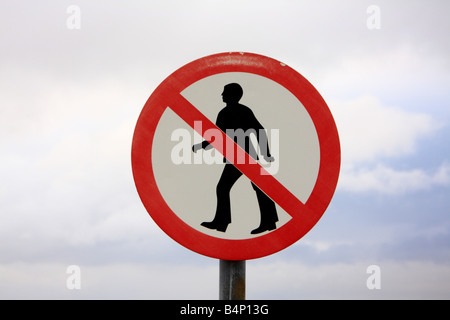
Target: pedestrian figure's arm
263,141
202,145
269,158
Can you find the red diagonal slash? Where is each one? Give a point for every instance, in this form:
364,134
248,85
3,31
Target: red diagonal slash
253,170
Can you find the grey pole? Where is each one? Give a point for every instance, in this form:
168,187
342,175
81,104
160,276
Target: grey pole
232,280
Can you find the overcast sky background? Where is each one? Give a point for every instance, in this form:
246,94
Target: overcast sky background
69,101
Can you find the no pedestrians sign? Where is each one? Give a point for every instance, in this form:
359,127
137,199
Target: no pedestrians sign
236,156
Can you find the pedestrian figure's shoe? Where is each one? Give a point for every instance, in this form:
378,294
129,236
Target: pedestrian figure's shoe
262,229
215,226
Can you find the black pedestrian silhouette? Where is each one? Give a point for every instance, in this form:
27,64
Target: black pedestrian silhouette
234,117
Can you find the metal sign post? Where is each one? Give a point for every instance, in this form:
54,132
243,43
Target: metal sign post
232,280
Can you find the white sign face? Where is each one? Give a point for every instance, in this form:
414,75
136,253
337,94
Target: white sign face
187,181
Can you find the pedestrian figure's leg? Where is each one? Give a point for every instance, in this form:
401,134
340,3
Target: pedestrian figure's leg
268,212
223,212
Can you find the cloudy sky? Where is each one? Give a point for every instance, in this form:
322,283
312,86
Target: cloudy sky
70,98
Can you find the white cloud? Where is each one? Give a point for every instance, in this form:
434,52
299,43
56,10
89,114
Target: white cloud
322,245
386,180
112,281
408,280
369,130
265,279
65,162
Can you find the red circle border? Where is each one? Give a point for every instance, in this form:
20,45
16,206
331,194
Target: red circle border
279,239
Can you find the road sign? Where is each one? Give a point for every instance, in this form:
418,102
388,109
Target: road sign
294,177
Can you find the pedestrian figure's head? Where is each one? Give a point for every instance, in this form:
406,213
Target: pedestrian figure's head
232,93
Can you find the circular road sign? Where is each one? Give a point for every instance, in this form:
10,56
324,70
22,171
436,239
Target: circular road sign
229,117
